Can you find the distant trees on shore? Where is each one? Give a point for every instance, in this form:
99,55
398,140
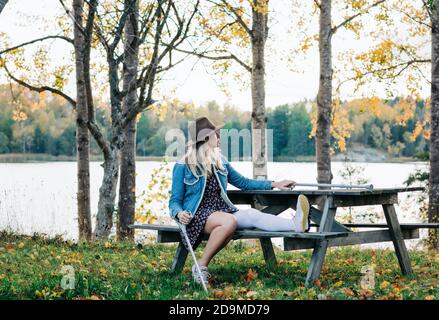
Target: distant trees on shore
46,125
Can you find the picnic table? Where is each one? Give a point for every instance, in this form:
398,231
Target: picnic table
329,232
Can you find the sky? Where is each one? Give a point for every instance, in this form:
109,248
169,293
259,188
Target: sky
23,20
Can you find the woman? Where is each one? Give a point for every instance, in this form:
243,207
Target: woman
199,198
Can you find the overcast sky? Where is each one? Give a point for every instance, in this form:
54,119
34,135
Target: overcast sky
24,20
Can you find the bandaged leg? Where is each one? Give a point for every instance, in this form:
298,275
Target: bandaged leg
253,218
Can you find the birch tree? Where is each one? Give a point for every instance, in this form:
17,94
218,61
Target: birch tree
57,77
160,20
432,7
127,188
402,62
324,128
82,38
228,30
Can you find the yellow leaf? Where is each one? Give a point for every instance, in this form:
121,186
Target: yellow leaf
338,284
384,284
429,297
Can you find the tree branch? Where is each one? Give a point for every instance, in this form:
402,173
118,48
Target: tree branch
96,132
70,14
203,55
238,17
406,64
317,4
40,89
34,41
334,29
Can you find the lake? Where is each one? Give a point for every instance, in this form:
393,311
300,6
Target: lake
41,197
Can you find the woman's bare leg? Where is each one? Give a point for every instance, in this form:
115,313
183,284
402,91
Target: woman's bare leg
220,226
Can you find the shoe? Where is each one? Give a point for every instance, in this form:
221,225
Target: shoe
204,274
301,219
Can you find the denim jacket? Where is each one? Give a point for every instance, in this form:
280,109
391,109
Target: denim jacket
187,189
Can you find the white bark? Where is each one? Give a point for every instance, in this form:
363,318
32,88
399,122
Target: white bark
259,145
127,188
324,96
82,134
433,207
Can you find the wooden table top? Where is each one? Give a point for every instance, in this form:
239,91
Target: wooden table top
347,192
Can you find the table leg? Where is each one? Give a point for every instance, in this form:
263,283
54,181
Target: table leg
181,256
319,252
316,216
398,239
266,244
268,251
179,259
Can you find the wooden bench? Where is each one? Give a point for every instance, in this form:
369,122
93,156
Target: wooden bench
292,240
329,231
171,234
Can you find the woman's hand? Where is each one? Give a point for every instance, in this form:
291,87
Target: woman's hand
284,184
184,217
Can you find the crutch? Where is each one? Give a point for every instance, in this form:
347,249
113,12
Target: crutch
344,186
183,229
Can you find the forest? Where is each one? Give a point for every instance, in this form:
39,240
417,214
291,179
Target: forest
45,125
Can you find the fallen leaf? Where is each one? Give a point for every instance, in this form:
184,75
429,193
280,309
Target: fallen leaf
290,294
348,292
384,284
250,276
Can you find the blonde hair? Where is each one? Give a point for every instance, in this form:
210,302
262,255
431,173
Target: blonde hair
203,157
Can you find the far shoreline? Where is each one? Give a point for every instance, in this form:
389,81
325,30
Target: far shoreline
39,158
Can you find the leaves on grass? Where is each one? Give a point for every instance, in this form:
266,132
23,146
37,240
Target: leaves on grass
250,276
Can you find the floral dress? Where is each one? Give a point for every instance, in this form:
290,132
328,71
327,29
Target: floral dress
211,202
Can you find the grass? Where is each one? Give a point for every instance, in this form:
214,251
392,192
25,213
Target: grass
30,268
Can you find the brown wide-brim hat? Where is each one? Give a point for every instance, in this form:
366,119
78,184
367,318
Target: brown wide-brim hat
200,129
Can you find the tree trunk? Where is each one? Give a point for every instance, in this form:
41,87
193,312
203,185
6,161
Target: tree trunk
433,206
107,195
3,4
82,134
324,96
259,146
127,188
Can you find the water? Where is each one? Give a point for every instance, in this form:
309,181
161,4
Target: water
41,197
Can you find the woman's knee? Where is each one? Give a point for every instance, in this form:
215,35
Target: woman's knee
221,219
229,222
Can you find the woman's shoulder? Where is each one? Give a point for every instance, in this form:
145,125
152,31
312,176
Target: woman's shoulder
224,159
183,166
